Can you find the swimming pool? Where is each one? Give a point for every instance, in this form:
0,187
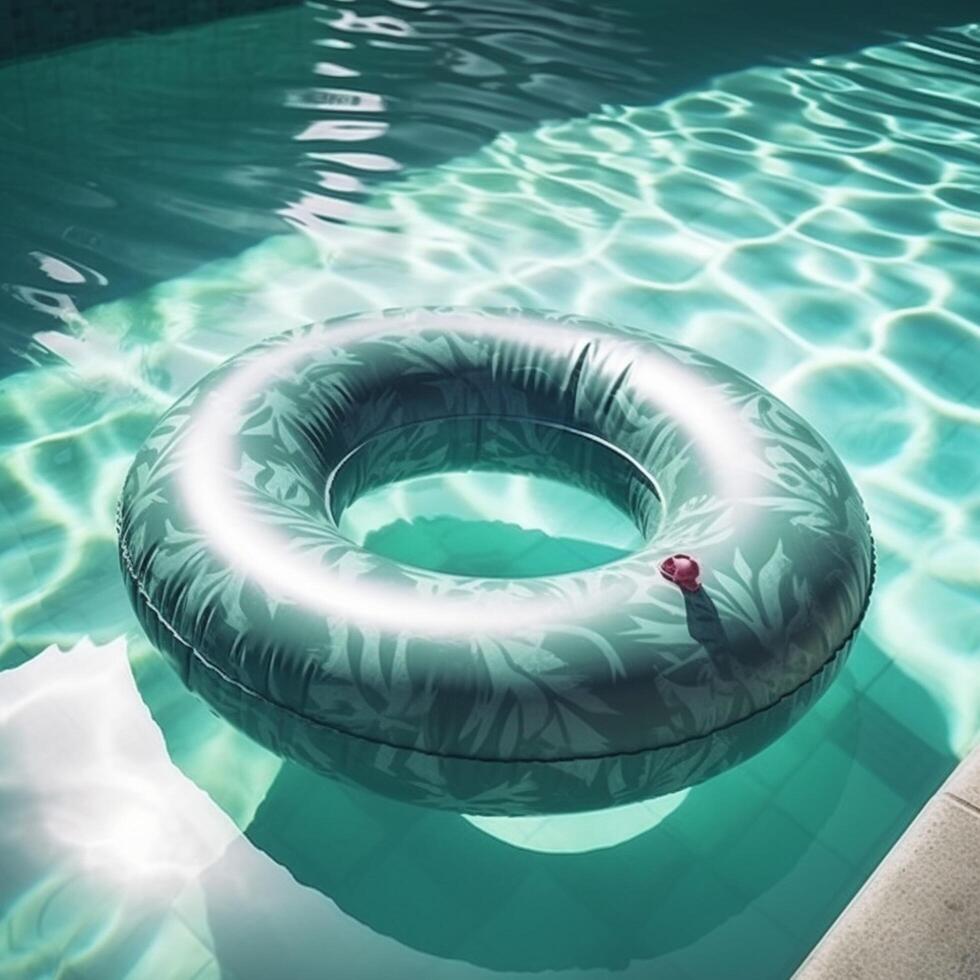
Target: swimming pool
798,197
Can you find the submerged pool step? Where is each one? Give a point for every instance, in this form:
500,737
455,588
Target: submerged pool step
29,27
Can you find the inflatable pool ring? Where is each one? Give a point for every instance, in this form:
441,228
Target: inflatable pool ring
566,692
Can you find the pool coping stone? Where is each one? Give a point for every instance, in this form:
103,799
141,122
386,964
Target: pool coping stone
918,916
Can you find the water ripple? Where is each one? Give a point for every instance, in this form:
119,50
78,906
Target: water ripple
730,217
814,224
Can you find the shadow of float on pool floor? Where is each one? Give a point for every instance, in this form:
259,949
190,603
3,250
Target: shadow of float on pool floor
774,847
481,549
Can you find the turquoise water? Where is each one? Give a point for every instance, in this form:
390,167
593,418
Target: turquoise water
801,199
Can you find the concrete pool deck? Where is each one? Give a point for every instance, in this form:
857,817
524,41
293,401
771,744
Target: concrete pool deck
918,916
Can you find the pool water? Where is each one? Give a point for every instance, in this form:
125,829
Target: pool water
443,523
799,197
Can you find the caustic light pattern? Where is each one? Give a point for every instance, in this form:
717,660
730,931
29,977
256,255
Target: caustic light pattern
817,228
813,226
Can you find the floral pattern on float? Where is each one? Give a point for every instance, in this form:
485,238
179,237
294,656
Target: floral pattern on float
567,692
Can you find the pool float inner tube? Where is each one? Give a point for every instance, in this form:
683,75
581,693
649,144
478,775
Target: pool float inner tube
565,692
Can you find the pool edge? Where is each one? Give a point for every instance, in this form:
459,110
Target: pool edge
918,915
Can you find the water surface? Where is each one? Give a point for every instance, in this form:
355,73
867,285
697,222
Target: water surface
799,199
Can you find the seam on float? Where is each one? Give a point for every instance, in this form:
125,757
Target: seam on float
128,566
